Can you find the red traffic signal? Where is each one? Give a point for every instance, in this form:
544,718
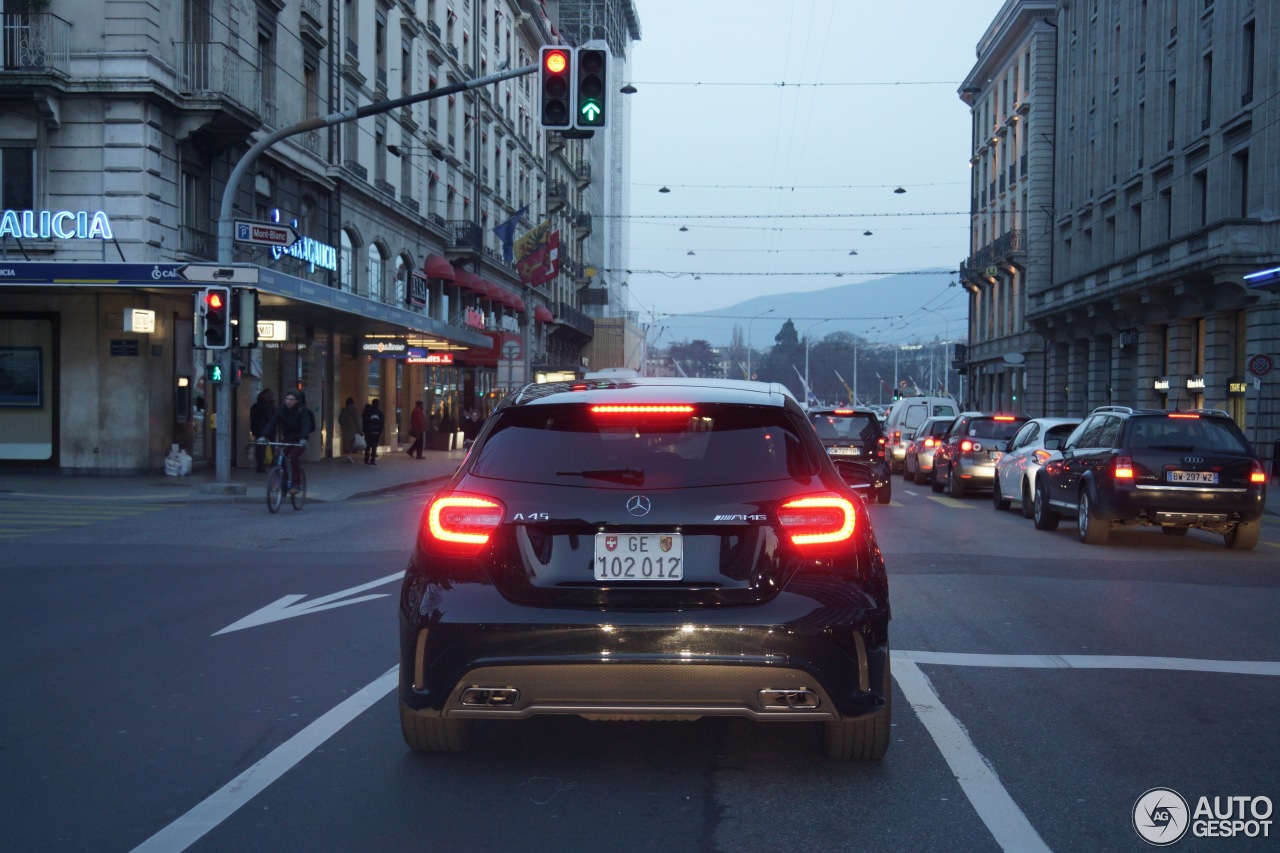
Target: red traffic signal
555,87
213,307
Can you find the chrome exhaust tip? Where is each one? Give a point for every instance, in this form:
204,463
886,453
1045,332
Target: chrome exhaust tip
774,699
490,697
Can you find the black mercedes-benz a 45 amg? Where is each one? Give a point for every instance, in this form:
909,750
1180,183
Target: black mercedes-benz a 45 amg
646,549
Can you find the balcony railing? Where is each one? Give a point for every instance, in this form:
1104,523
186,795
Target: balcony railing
433,28
466,235
452,50
584,172
356,169
570,316
36,41
1011,244
213,69
437,219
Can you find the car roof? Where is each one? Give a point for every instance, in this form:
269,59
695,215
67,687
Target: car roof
653,389
842,410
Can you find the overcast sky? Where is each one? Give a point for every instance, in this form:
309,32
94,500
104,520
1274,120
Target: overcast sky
711,123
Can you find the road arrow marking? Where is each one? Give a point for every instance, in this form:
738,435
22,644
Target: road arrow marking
288,607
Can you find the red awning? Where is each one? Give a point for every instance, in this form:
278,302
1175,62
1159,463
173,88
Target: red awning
517,303
542,314
469,280
436,266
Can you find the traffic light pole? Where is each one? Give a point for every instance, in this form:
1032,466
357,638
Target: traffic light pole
222,444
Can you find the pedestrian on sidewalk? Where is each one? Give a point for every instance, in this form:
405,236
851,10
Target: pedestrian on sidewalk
372,432
349,422
417,429
259,413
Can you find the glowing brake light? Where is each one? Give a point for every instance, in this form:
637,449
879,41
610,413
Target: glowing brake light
640,409
844,411
1042,455
966,446
1004,418
1123,468
1257,476
1184,415
463,523
930,442
817,520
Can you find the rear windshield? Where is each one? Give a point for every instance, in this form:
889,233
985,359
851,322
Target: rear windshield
1185,435
854,427
716,445
991,428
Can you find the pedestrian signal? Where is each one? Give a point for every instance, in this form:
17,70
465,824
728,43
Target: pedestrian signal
589,100
555,87
213,372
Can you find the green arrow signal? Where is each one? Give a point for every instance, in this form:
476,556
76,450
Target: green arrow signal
590,110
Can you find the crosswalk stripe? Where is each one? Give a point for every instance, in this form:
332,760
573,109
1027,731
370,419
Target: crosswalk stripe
31,518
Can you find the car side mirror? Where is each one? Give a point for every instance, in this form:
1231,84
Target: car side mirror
855,474
1002,446
1054,443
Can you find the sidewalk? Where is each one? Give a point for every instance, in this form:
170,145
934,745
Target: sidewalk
327,480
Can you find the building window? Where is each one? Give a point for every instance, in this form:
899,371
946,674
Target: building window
1170,114
1246,63
18,177
267,62
1165,214
1200,197
376,269
1240,183
1206,91
346,263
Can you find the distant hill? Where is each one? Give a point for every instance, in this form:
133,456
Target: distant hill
896,309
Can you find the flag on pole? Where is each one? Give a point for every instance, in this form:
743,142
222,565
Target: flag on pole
538,254
883,384
506,232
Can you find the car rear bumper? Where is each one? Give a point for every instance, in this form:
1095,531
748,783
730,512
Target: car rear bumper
791,658
977,474
1181,506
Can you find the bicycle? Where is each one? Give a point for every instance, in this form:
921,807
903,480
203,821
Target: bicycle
279,482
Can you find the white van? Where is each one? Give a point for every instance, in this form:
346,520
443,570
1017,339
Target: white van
907,414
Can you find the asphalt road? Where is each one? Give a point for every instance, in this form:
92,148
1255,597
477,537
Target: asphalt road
209,677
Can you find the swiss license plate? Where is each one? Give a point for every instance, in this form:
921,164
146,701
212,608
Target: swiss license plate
846,451
1193,476
639,557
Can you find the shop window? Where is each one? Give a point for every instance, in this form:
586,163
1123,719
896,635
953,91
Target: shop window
18,177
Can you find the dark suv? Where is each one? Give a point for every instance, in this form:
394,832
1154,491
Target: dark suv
646,549
965,459
856,434
1172,470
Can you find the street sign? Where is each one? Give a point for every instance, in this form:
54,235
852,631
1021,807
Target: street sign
264,233
214,274
511,350
1260,365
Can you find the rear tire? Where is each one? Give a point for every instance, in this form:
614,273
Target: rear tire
866,739
301,497
274,483
955,486
936,482
922,479
1028,502
434,734
1044,517
1244,536
885,494
999,501
1092,529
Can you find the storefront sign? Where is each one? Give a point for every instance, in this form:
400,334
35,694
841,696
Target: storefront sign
473,318
433,358
1195,383
1161,385
394,347
139,320
417,295
273,330
61,224
1237,386
310,251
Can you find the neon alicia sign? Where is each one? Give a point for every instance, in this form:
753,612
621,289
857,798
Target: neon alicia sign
62,224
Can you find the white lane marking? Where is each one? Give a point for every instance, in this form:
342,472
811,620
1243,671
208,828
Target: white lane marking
1004,819
1235,667
289,606
221,804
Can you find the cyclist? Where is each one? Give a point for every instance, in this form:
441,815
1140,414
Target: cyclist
294,423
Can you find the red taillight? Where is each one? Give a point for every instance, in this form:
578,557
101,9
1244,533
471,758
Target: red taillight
462,523
641,409
1123,469
930,442
967,446
1258,475
817,520
844,411
897,438
1042,456
1184,415
1009,418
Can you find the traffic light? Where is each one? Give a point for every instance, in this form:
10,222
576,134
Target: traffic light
555,87
589,97
213,308
246,317
897,395
213,372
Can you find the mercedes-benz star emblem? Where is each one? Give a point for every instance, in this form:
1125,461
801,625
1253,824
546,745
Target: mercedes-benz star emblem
638,505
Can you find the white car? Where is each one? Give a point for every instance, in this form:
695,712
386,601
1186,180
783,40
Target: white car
1026,452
